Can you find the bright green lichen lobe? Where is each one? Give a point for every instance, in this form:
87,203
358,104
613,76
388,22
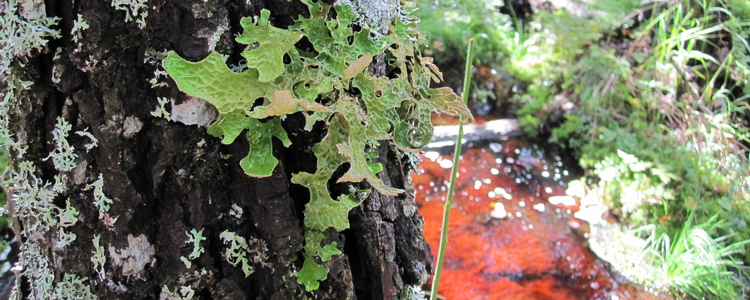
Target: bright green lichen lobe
259,161
398,106
325,76
311,271
273,43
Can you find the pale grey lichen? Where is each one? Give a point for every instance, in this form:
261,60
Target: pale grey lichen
133,9
19,36
32,202
235,211
240,250
63,157
375,14
186,293
195,238
11,143
67,216
57,69
64,239
94,141
131,126
135,257
155,58
194,111
99,259
187,262
411,292
160,111
116,287
101,201
36,219
73,287
78,27
212,36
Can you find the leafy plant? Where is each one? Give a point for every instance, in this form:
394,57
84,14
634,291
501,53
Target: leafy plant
698,265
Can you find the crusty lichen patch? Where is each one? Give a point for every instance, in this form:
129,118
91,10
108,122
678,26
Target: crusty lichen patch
135,257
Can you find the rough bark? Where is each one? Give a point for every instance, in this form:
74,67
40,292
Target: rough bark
166,177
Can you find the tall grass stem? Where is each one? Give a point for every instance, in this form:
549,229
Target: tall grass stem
454,171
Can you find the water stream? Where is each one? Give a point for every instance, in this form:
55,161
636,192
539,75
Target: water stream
512,232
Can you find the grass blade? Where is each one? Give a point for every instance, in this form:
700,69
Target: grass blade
454,171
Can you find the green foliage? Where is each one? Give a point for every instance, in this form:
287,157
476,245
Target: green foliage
657,112
696,264
312,272
449,25
360,109
259,160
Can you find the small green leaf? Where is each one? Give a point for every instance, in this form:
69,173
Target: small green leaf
725,203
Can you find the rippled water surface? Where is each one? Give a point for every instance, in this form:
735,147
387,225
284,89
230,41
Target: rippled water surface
507,238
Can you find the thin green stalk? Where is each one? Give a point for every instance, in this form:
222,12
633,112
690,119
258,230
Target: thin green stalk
454,171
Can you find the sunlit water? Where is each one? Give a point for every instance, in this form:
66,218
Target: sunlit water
506,239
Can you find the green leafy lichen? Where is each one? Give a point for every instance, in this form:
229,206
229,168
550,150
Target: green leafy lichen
312,272
259,161
328,82
273,43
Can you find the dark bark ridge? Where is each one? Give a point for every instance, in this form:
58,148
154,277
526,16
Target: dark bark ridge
165,179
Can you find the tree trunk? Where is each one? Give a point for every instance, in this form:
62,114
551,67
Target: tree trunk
148,182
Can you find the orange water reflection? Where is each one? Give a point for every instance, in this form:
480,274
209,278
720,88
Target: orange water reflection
506,241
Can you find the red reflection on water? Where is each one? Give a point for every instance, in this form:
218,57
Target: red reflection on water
506,241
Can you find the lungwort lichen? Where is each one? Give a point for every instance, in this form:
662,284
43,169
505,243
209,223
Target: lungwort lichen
328,82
